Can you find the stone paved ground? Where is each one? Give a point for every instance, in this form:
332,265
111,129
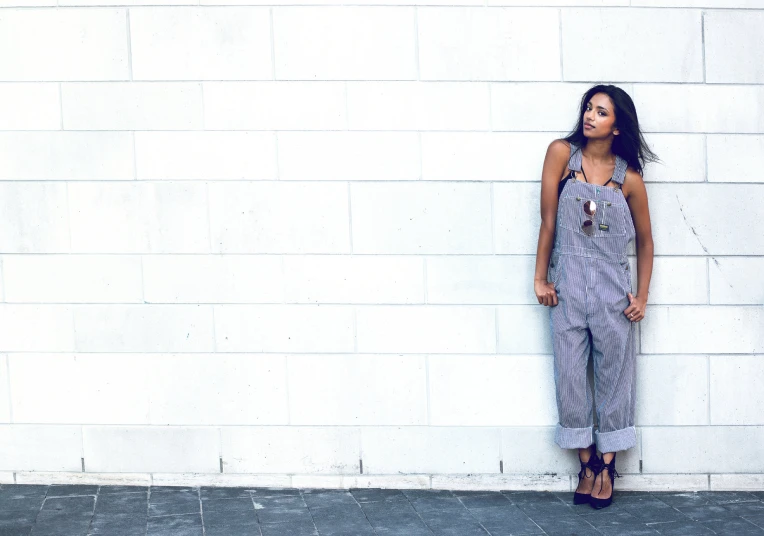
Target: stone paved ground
170,511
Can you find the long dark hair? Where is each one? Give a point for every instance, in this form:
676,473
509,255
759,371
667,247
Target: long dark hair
629,144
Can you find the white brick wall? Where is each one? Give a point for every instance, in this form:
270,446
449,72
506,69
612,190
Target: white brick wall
297,241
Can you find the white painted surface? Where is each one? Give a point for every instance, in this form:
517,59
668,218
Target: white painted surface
303,238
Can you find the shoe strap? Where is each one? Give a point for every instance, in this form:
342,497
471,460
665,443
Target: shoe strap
594,464
612,473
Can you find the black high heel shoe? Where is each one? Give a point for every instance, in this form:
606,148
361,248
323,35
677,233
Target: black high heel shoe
593,465
612,473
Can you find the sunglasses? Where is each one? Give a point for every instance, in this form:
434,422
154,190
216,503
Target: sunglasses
590,209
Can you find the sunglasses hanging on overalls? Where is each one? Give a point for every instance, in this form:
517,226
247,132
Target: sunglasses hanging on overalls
590,209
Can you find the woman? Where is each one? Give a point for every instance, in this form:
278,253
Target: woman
593,203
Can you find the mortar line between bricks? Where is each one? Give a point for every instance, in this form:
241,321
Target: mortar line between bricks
421,155
425,282
416,42
556,133
708,386
705,159
214,330
434,182
653,355
427,387
347,112
703,43
273,43
385,254
8,388
204,113
68,216
582,82
496,331
350,217
357,305
490,108
196,3
60,107
276,154
129,45
286,392
135,158
559,29
360,450
143,280
491,202
220,447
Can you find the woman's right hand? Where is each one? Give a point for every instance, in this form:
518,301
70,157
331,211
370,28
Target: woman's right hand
545,293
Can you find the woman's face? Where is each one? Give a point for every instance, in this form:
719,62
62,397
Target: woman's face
599,113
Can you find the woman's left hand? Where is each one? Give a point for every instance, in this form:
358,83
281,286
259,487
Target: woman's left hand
636,310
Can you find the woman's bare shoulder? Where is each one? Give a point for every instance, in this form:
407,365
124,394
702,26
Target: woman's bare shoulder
559,149
632,182
633,176
560,145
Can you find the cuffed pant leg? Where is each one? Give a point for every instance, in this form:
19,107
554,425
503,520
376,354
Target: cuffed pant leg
617,440
571,346
613,339
573,438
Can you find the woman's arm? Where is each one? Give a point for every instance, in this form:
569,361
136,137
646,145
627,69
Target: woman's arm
555,163
636,198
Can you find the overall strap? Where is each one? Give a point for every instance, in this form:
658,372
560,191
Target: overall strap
619,174
574,162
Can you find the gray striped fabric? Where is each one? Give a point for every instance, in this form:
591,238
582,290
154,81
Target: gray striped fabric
591,276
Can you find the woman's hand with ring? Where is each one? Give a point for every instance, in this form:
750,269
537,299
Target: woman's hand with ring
545,293
636,310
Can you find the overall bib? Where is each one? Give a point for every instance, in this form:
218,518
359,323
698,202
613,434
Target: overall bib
591,276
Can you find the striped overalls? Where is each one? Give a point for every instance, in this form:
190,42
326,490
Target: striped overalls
591,276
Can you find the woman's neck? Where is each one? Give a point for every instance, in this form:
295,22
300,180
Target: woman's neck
599,151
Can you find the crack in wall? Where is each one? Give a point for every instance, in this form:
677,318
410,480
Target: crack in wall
697,236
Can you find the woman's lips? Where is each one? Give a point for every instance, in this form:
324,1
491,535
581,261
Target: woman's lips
587,125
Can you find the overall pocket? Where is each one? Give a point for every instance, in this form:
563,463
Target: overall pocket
625,274
556,268
609,218
614,217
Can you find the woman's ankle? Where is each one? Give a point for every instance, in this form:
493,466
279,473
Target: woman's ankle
585,455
